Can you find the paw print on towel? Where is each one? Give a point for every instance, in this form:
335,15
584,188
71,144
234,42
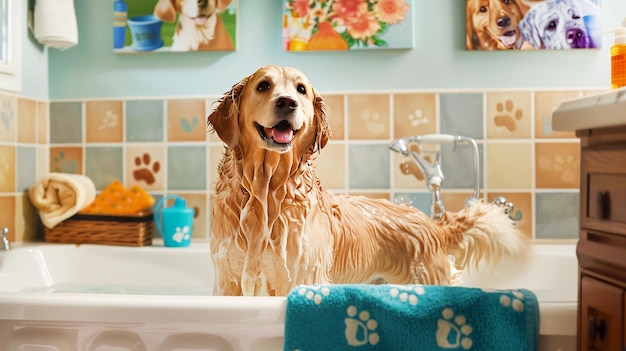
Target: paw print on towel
406,293
453,331
360,328
315,294
513,299
181,234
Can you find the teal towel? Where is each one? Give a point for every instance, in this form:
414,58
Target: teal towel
410,317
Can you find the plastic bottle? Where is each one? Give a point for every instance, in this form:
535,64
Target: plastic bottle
120,9
618,58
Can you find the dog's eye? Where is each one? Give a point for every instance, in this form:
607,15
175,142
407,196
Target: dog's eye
263,86
483,9
301,89
506,2
551,25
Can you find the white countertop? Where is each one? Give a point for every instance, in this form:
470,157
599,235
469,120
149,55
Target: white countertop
594,111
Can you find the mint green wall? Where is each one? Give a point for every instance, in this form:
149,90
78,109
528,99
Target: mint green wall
34,62
438,61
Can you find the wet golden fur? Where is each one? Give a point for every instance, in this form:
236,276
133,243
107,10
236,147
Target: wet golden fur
275,227
488,20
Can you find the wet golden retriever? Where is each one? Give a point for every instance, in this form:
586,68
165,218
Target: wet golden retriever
275,227
493,24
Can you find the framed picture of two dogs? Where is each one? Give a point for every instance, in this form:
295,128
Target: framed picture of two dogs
532,24
211,25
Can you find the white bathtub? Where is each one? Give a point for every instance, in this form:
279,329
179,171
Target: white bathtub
92,297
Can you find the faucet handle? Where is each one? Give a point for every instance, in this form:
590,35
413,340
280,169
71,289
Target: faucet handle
5,239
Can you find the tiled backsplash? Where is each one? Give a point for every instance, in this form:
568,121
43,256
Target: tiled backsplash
162,145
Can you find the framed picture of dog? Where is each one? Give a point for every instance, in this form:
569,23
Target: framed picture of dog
145,26
347,24
532,24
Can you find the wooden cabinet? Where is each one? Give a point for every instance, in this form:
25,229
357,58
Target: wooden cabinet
601,249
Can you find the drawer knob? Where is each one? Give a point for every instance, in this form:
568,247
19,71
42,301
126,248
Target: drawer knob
597,329
604,204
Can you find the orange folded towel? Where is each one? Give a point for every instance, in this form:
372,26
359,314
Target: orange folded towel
116,200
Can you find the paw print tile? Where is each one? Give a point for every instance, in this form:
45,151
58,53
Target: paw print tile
361,328
557,165
414,114
66,160
368,116
508,114
545,103
104,121
8,118
186,120
145,167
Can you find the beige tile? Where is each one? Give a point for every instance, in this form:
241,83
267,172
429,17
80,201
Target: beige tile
335,116
558,165
67,159
25,219
522,207
145,166
27,126
7,169
509,165
414,114
454,201
368,116
199,203
210,105
42,123
545,104
7,215
330,166
104,121
43,161
406,175
216,152
186,120
8,118
508,114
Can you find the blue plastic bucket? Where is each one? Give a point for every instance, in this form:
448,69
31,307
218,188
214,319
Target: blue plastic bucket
146,32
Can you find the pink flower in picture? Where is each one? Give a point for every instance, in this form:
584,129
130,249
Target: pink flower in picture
363,26
347,10
391,11
300,7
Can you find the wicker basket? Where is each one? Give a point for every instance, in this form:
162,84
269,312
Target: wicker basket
110,230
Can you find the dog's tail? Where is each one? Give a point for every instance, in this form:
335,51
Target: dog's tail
484,234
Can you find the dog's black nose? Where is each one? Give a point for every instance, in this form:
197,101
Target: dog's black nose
503,21
286,103
576,38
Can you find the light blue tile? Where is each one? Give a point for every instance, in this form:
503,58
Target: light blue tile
26,167
186,168
369,166
421,201
458,167
462,114
66,122
104,165
144,120
557,216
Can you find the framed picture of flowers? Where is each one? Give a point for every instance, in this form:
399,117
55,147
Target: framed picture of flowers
347,24
533,24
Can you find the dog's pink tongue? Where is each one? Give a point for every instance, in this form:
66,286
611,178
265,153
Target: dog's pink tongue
508,40
200,20
280,136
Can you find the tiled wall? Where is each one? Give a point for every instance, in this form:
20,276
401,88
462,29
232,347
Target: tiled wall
162,145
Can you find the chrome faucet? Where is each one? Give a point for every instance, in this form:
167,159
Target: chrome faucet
6,245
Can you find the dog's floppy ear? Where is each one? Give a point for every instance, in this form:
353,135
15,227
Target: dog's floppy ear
322,130
529,30
224,120
165,10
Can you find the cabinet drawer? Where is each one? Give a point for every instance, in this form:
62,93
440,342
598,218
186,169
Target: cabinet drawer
603,189
601,310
